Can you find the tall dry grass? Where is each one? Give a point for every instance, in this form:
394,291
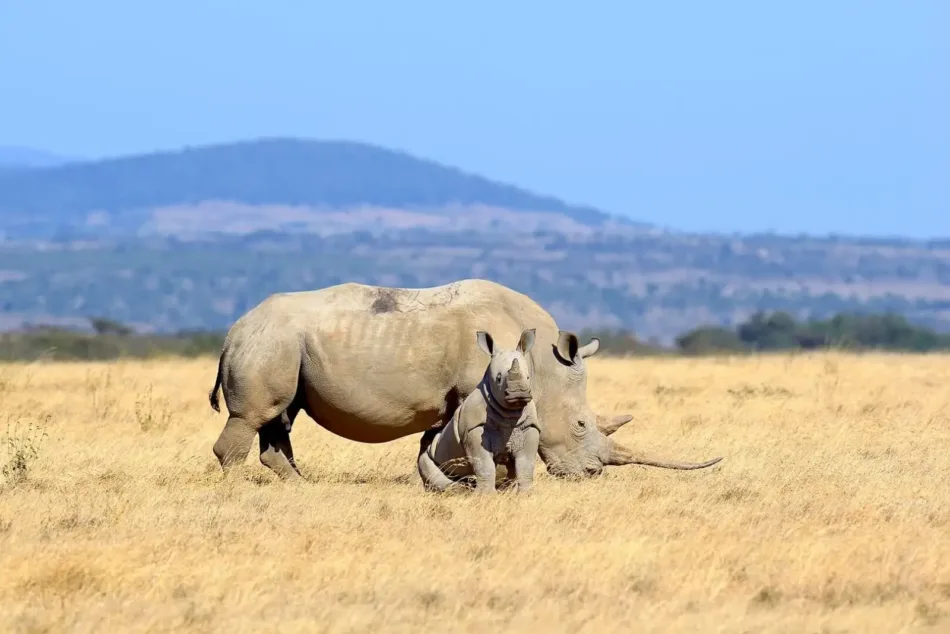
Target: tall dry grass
829,513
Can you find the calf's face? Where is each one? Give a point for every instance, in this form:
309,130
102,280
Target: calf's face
509,373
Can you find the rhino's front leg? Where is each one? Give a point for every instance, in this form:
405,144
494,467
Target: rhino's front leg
482,461
525,459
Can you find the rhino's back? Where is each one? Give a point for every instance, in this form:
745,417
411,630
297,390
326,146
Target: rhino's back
381,363
366,313
377,300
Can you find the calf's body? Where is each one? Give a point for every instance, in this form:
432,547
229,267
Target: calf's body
496,424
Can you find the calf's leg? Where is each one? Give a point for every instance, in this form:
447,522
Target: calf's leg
432,477
526,459
482,460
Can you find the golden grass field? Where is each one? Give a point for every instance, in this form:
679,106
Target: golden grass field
829,513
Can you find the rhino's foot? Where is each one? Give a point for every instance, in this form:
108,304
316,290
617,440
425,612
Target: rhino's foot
450,488
233,443
485,485
277,454
525,488
278,463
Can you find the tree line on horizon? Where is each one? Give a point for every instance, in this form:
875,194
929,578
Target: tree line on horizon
781,331
762,332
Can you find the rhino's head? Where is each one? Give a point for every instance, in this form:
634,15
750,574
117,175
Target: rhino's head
509,373
574,439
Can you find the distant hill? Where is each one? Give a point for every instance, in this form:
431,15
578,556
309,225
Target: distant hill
268,173
193,238
21,157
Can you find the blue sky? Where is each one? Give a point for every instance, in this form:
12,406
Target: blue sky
726,116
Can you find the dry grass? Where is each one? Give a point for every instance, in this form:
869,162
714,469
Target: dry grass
829,513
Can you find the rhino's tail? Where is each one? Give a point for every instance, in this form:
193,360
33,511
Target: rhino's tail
213,394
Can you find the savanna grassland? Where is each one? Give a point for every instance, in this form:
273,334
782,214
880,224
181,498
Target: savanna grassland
829,513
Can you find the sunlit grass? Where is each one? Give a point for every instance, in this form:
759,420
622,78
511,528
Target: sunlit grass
830,511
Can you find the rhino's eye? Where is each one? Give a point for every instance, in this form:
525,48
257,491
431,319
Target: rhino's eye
498,378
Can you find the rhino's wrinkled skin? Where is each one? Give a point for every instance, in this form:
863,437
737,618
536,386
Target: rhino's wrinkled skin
374,364
497,424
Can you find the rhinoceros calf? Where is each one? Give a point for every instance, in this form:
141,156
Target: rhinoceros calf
373,364
497,424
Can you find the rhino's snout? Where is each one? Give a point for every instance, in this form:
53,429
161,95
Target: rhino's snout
518,393
517,399
593,471
517,388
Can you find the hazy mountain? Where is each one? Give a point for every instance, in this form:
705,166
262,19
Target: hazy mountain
272,181
21,157
193,238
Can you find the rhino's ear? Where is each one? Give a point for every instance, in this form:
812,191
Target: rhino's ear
527,341
590,349
567,346
485,342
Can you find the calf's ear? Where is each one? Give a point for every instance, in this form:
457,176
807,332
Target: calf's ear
485,342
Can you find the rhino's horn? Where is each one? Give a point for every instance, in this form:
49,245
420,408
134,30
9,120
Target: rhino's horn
620,455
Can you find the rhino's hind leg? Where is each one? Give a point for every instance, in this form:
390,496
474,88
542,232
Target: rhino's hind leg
440,478
258,373
432,477
234,442
276,451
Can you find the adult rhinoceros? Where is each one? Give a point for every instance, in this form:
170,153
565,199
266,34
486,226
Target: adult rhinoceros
373,364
